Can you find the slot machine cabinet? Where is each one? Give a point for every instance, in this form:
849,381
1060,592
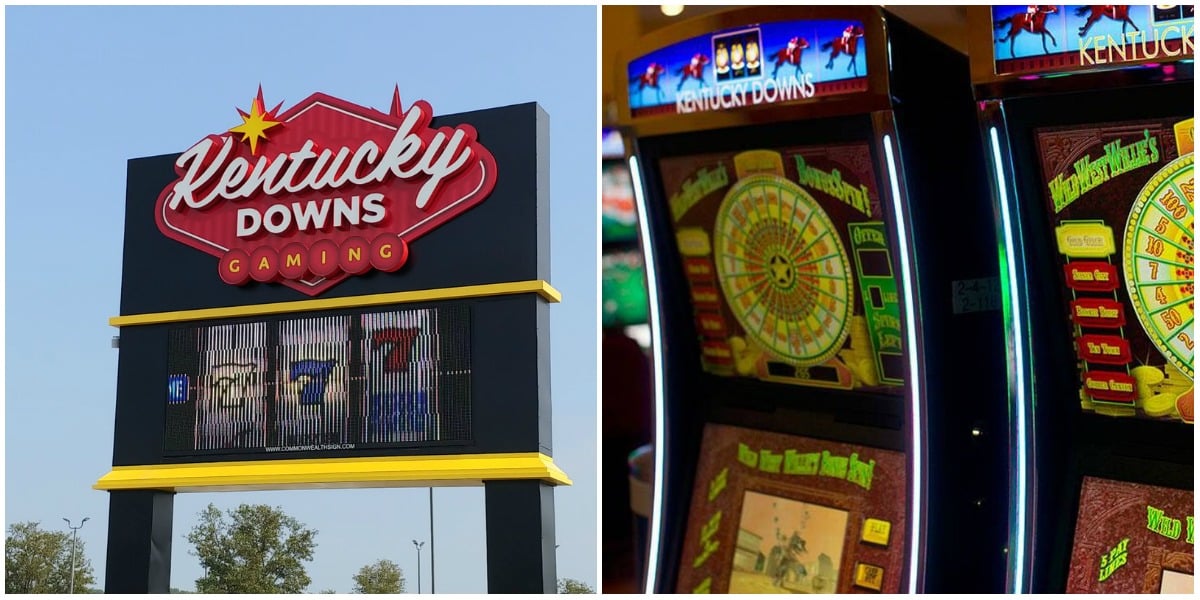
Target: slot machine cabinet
1089,142
822,272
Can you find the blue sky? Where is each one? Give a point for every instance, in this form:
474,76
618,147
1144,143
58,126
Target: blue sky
88,88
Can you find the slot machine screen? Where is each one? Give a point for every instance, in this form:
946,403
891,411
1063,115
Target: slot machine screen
1132,538
788,265
794,546
777,513
623,282
618,212
1120,199
762,63
381,379
612,144
1081,29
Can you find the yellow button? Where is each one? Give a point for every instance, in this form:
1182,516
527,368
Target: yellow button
868,576
876,531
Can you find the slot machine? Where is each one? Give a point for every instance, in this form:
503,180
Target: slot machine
822,278
625,419
1087,119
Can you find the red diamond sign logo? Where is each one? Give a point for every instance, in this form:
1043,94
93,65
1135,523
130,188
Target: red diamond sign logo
322,191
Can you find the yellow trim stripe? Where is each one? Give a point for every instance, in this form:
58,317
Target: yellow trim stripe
537,286
385,471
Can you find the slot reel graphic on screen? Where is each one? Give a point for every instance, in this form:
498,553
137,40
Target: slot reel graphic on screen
398,378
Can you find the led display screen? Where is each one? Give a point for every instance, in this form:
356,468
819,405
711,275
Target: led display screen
777,513
623,283
1120,199
612,145
789,265
618,214
398,378
1132,538
1053,37
758,64
787,546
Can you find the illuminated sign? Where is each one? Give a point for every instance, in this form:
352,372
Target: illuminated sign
1055,37
320,383
324,190
760,64
435,375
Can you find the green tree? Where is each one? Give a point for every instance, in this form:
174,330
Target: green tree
39,562
380,577
257,550
574,586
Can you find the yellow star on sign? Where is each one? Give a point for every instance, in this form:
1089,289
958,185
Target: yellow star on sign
255,124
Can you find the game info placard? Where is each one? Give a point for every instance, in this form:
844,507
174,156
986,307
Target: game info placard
1132,538
777,513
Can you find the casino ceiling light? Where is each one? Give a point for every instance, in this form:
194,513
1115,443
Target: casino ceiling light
672,10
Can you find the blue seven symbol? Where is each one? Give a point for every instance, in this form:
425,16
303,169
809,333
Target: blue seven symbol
316,374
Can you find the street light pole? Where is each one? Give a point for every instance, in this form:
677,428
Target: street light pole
418,545
74,536
432,572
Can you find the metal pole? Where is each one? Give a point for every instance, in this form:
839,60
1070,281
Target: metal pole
71,580
74,537
418,546
432,572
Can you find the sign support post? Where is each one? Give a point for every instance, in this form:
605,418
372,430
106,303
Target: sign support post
520,537
139,542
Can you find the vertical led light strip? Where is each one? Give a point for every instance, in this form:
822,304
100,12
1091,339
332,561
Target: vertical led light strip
916,395
1016,342
660,446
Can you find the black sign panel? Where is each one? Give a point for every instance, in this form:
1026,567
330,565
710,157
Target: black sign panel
455,376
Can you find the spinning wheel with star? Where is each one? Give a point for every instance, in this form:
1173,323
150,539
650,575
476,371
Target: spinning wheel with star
1159,271
783,269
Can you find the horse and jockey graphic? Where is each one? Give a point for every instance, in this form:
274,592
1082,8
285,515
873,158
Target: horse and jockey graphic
790,55
846,44
786,559
1032,20
694,69
786,566
1095,12
650,77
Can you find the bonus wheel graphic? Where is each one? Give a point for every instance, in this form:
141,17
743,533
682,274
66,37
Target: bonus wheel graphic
1158,260
783,269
